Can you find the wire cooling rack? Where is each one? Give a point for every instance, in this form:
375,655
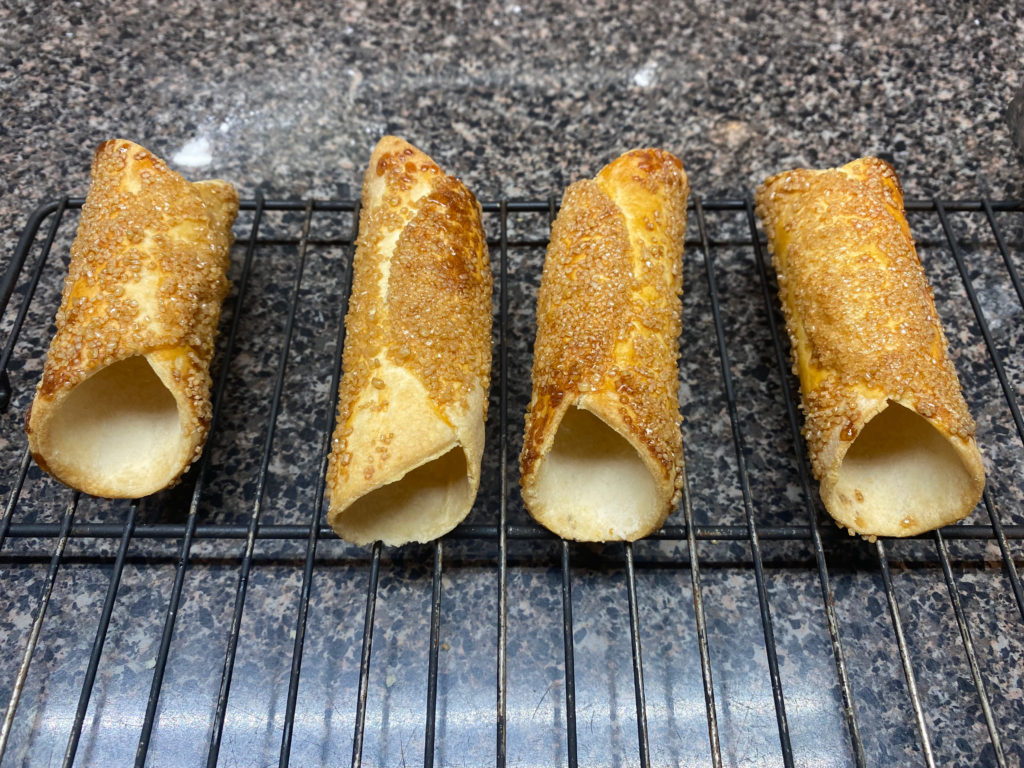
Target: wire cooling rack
223,623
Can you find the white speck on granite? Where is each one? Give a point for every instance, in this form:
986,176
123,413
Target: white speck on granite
644,76
194,154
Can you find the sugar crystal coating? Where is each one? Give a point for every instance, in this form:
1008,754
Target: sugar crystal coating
609,309
147,276
439,295
859,311
421,301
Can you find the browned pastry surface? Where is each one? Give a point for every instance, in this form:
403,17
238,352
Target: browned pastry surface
146,278
420,308
863,327
608,323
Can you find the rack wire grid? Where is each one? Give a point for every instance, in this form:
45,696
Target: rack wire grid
223,623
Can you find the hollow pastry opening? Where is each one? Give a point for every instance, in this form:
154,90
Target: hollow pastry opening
423,504
902,467
119,426
593,479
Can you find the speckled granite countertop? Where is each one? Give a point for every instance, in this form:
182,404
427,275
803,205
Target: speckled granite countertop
287,99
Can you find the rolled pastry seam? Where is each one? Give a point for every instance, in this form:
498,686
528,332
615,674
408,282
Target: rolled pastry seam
123,406
406,452
602,451
889,435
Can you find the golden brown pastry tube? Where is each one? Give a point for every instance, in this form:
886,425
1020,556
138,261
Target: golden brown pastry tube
405,460
123,406
889,435
602,453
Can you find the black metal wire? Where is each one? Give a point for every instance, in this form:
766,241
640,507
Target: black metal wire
25,241
14,268
10,280
313,536
26,300
638,664
819,551
474,532
190,526
570,665
702,628
435,641
972,659
908,667
101,637
986,205
1004,549
364,659
568,640
771,651
1004,383
190,530
501,694
12,499
257,507
37,625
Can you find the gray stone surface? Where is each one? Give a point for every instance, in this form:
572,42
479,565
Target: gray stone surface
287,99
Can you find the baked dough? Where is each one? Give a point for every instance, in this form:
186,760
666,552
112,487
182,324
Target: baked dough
888,432
602,452
123,406
406,452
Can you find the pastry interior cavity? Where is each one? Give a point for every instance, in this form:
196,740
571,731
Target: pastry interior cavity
437,490
901,463
119,423
592,473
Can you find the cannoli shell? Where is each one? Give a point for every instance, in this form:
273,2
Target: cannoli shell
406,451
123,406
890,438
602,450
